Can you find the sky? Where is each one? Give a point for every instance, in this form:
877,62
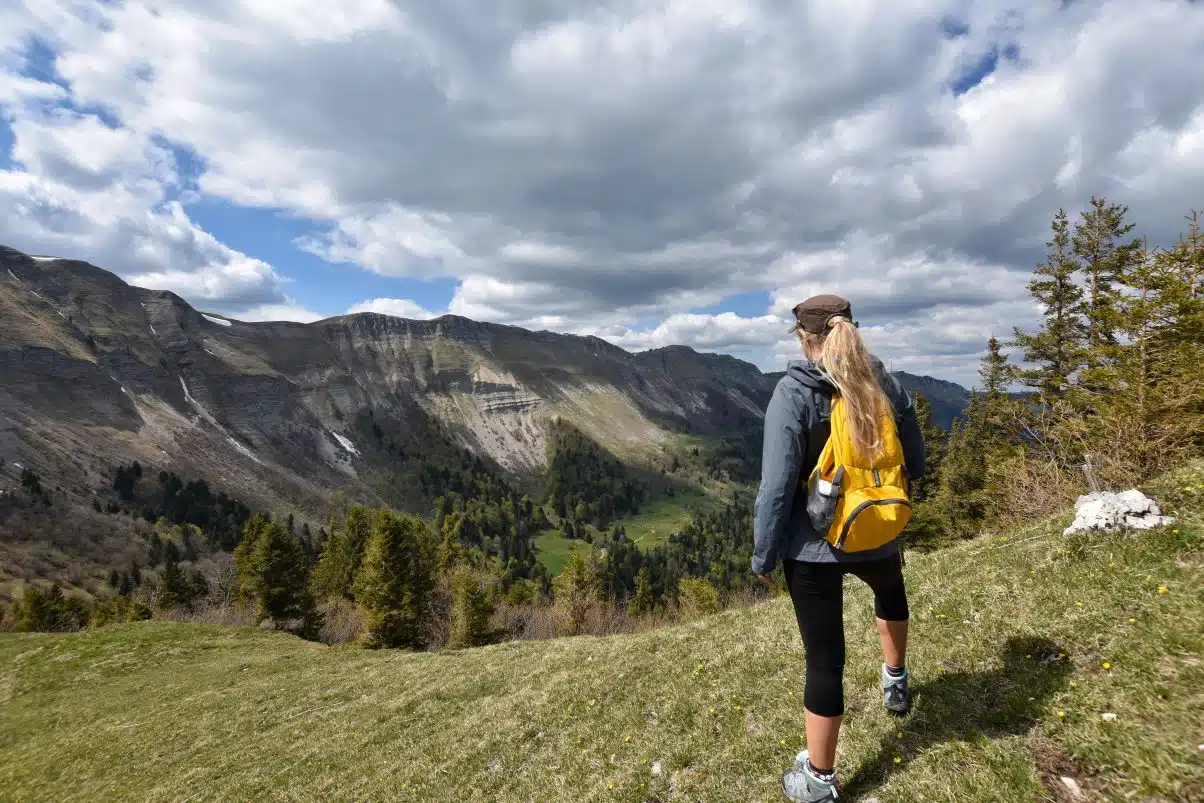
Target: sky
654,173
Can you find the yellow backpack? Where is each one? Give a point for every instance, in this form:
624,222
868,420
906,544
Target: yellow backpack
859,503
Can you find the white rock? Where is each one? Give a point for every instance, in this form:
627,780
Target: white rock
1073,787
1108,717
1109,511
656,768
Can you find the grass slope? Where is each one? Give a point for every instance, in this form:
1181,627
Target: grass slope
651,527
704,711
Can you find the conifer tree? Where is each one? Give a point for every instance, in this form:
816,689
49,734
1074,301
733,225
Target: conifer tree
934,449
1097,242
1148,408
395,581
471,610
335,572
273,573
641,601
172,591
1056,350
450,551
577,589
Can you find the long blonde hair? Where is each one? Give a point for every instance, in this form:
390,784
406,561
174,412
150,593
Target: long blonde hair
846,361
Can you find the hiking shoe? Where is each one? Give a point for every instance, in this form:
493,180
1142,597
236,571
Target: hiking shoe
895,694
803,786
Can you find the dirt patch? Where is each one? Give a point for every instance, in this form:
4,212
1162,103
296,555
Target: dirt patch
1053,764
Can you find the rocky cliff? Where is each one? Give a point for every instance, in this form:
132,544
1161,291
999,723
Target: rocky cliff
98,372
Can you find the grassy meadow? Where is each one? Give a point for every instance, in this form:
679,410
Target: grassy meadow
1035,656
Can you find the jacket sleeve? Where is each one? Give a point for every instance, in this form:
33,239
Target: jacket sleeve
909,428
781,461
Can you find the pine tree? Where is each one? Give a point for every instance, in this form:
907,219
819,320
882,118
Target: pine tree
395,581
1147,411
272,572
334,575
471,610
641,601
934,449
135,574
960,500
577,589
1056,350
1097,243
114,579
450,551
172,591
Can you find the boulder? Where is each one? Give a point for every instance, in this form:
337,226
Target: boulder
1107,510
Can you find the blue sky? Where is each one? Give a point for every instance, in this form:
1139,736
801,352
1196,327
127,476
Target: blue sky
671,174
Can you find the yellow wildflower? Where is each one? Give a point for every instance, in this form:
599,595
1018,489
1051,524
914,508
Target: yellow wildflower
898,760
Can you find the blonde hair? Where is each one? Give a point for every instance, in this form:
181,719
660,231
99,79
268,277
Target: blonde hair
844,358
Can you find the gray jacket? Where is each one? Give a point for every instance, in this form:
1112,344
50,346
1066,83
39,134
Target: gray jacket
796,429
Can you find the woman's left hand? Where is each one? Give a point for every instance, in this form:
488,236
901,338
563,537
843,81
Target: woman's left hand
766,579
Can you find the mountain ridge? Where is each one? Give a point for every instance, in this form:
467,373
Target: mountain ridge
291,413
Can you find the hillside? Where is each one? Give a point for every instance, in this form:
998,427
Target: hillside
1021,643
100,373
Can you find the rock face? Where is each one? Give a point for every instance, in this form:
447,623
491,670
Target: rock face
97,372
1109,511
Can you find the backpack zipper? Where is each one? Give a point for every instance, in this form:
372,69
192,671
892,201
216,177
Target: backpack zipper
848,522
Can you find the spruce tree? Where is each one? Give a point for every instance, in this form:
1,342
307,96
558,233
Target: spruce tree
960,500
641,601
1056,350
172,591
273,573
334,575
1148,413
1097,242
577,589
934,449
395,582
450,551
471,610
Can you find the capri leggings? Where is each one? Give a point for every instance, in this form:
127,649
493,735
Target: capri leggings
817,591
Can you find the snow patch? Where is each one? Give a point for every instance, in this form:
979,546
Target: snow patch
218,321
152,328
18,465
238,447
1110,511
15,279
210,353
346,444
45,259
188,395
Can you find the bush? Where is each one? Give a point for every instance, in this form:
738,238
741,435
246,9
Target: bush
49,611
697,597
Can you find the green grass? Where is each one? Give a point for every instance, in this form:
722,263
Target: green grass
652,527
554,549
1010,639
664,516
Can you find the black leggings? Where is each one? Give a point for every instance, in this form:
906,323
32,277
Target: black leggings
817,591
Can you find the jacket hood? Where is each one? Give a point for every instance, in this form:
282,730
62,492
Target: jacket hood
811,375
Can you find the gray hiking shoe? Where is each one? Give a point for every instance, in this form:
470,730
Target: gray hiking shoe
895,694
803,786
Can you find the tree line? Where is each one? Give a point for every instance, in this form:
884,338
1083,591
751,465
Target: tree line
1112,380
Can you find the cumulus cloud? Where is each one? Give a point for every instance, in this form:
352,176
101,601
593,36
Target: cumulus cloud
397,307
590,166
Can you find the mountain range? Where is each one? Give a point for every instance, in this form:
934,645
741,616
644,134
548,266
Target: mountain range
98,372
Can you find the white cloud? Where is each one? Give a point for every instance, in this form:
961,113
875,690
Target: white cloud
397,307
589,166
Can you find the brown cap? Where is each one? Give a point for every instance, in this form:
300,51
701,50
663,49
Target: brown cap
814,314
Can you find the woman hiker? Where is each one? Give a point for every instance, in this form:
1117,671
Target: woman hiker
797,427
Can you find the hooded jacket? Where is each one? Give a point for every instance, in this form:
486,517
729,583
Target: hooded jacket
796,429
